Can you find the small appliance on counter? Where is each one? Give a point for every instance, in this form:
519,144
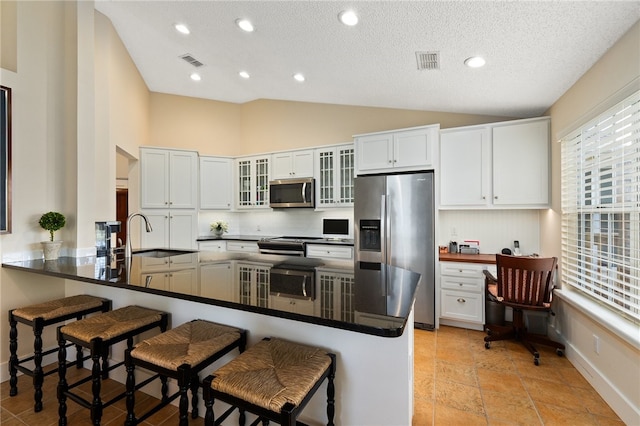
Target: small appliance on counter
104,235
335,229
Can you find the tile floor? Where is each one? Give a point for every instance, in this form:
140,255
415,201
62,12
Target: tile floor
457,382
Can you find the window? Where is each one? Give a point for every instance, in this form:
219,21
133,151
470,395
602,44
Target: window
601,208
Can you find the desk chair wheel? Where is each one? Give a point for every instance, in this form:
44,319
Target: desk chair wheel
559,352
487,345
536,361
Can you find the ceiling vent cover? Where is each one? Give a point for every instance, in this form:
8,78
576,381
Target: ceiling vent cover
190,59
428,60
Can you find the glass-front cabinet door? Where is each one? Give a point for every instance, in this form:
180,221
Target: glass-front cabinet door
336,295
253,182
335,176
253,284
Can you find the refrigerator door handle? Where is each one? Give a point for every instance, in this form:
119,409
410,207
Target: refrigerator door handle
383,228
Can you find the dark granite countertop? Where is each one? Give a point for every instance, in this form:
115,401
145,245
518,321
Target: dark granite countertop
227,237
373,299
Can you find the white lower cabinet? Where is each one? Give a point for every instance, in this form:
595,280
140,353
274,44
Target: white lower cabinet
243,246
180,281
216,281
171,229
462,294
288,304
218,246
331,251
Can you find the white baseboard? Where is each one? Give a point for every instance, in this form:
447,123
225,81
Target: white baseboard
623,407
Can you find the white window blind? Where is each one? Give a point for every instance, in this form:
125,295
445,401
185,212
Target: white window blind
601,208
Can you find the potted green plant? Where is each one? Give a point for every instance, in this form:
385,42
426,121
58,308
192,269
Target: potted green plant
52,222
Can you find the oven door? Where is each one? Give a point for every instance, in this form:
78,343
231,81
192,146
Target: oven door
294,283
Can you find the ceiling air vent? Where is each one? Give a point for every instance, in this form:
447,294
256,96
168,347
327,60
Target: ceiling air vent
428,60
193,61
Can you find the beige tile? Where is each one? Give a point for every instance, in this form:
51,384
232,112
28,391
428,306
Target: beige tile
544,392
423,413
608,421
554,415
456,372
510,407
594,402
446,415
573,378
459,396
496,359
501,381
424,386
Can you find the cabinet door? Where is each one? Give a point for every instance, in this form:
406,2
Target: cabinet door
282,165
329,251
460,305
215,246
183,180
253,176
465,168
413,148
182,229
521,164
216,281
336,296
374,152
215,183
154,176
157,280
184,281
289,165
334,184
159,236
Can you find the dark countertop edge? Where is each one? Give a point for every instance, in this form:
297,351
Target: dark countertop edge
468,258
323,241
380,332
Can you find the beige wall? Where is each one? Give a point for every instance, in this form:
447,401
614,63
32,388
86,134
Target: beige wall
8,43
222,128
613,75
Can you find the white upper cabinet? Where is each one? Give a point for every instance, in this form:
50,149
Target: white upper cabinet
500,165
169,179
465,177
399,150
293,164
335,172
252,178
521,164
216,188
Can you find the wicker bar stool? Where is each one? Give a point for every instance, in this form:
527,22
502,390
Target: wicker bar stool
180,353
38,317
98,334
275,379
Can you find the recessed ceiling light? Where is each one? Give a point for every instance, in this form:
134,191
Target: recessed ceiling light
299,77
348,17
245,25
244,74
475,62
196,77
182,28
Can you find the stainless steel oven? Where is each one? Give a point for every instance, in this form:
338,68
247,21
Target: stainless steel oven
295,281
285,246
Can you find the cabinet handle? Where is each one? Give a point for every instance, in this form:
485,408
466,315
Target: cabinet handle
461,300
460,284
496,197
484,198
165,203
390,161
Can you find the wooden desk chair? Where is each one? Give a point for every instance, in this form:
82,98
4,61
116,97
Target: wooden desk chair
524,284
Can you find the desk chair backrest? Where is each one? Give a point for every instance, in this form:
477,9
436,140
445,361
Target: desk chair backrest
525,281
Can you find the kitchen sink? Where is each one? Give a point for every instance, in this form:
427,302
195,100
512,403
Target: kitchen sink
159,253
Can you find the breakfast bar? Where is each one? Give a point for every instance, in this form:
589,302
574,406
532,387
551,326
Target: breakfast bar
362,313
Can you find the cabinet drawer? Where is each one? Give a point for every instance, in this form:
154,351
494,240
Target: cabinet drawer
470,270
244,246
329,251
474,285
216,246
463,306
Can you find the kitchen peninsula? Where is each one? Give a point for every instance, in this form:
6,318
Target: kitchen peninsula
363,314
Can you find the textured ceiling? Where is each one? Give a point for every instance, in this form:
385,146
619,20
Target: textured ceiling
535,51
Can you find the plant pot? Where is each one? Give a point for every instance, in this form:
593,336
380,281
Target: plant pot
51,249
218,233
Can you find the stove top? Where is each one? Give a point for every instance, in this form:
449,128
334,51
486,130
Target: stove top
293,239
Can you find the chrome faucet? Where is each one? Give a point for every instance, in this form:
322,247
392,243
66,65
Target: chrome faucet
128,250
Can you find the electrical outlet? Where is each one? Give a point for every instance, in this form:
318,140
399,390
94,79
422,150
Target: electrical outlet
596,344
258,228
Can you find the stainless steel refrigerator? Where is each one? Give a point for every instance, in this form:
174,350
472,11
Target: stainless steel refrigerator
394,224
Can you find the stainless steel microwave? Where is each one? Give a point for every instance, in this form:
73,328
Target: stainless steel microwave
285,193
